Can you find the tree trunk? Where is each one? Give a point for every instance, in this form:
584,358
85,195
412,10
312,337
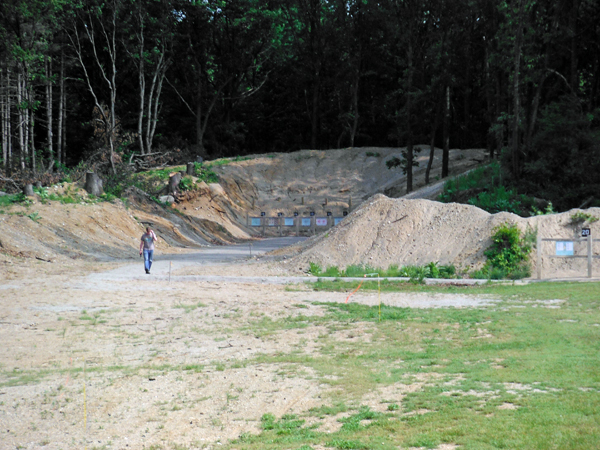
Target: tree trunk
61,98
314,123
490,142
28,190
446,132
516,165
354,108
409,144
190,169
574,44
63,145
93,184
142,93
154,100
174,181
49,118
4,99
31,131
21,122
8,125
432,145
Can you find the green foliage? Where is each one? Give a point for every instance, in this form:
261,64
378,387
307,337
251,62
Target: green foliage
314,269
549,209
480,178
376,155
484,187
187,184
205,173
562,164
345,444
581,217
35,216
497,200
416,273
508,256
12,199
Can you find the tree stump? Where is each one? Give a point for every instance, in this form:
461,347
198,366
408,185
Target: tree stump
93,184
174,181
190,168
28,190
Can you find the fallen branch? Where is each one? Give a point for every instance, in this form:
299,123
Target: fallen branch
10,180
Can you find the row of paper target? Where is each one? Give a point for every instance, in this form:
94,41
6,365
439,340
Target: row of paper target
291,221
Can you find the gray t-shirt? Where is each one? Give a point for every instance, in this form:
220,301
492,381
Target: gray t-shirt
148,241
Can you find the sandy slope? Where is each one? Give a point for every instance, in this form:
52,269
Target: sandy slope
386,231
217,213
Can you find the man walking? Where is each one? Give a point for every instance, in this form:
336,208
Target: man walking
147,247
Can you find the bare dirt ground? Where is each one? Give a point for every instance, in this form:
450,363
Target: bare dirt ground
108,357
96,354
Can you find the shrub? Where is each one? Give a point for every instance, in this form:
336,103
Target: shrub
332,271
581,217
315,269
205,173
508,256
186,184
498,199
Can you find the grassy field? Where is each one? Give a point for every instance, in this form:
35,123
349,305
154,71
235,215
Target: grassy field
522,374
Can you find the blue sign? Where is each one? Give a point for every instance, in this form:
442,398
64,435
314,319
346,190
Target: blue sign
255,222
564,248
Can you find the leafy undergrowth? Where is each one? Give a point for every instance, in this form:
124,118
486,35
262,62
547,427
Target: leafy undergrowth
485,188
521,374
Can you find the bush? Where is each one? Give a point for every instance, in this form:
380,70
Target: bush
315,269
508,256
186,184
206,174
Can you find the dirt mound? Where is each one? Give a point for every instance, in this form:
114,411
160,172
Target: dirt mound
50,230
331,180
386,231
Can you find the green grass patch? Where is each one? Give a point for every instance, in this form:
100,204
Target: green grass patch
523,373
431,270
190,308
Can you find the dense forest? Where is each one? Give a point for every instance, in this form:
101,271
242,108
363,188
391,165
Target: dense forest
112,82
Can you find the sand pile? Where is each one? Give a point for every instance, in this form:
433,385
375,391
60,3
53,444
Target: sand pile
386,231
